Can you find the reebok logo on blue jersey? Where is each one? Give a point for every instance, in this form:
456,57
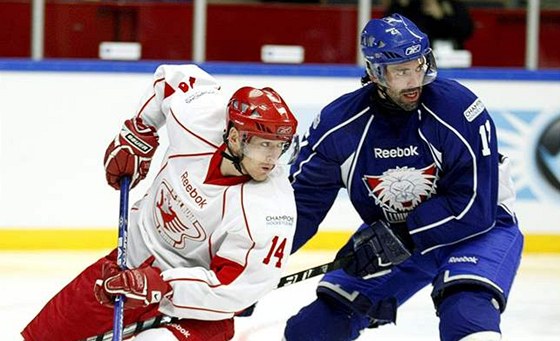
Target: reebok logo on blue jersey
463,259
395,152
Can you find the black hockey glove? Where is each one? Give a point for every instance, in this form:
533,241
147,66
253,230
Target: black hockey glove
376,248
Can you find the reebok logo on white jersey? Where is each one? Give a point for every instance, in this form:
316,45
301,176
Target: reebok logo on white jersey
191,190
395,152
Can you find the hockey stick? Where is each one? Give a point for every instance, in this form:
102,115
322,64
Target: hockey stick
157,321
134,328
118,315
312,272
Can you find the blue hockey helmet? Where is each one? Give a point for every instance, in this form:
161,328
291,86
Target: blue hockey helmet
394,40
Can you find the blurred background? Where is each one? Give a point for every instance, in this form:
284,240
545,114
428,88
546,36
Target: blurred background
237,30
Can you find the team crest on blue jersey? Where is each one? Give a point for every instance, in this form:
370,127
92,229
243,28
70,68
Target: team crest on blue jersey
399,190
175,222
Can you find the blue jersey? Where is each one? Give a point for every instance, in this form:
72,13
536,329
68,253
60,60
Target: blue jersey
435,168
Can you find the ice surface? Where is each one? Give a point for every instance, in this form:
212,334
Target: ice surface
29,279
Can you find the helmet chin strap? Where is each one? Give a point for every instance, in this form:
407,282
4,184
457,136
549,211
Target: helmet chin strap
380,96
236,160
230,155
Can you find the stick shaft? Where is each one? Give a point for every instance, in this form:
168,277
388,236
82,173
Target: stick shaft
312,272
118,315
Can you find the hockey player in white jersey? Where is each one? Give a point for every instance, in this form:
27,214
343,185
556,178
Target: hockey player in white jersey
212,234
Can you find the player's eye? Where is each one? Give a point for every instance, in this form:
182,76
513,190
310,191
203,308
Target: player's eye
400,72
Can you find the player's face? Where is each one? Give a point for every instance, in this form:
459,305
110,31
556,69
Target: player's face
404,83
260,156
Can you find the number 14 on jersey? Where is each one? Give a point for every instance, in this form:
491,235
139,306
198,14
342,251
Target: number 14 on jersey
276,251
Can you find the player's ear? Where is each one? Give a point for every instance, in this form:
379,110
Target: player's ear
234,139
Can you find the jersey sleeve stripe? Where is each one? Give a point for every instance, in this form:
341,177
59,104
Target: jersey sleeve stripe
436,154
300,169
190,132
144,107
352,168
338,126
475,177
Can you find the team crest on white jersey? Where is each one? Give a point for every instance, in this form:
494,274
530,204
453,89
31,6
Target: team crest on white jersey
398,191
175,222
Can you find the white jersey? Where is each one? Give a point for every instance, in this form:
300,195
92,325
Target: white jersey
221,242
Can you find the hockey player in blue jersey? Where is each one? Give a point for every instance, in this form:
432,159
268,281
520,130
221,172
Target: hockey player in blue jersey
418,157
